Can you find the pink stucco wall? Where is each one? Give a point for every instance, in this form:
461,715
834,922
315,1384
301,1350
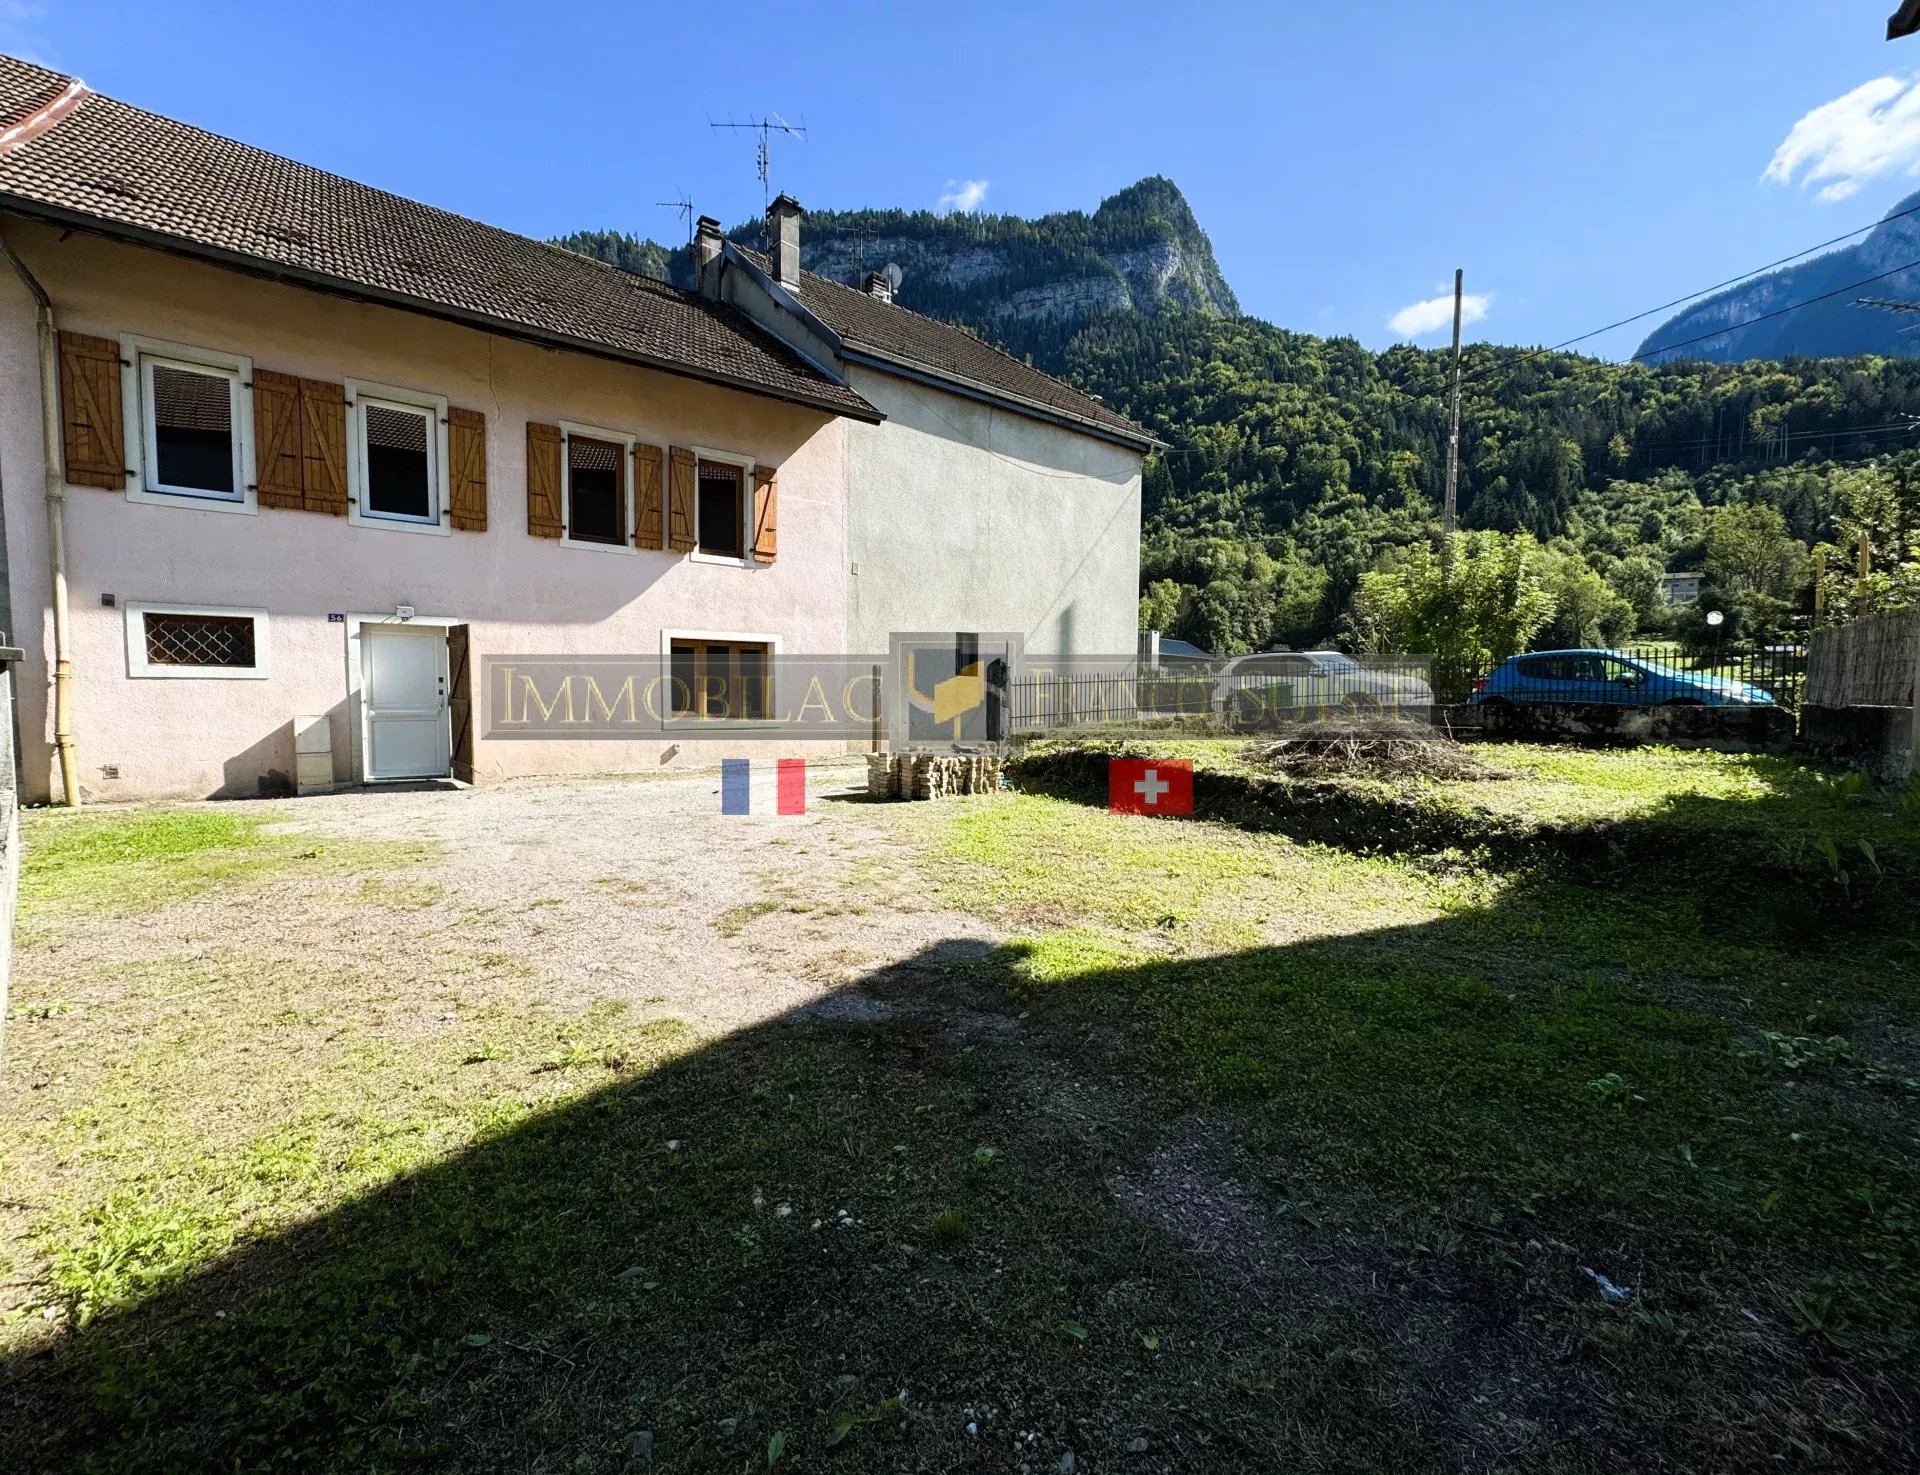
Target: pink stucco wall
521,595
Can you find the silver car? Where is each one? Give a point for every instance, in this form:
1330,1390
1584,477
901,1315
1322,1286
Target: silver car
1289,685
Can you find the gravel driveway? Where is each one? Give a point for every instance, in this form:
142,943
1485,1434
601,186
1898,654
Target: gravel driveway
634,889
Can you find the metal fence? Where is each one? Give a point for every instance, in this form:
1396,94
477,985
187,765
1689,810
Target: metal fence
1062,700
1652,675
1248,694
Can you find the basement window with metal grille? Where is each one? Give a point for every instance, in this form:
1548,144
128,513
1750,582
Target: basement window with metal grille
167,640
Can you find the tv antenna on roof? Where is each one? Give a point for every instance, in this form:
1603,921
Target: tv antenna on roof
863,237
766,127
683,205
1890,304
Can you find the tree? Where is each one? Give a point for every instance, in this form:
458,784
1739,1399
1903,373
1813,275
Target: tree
1468,614
1751,551
1880,506
1160,606
1586,611
1636,579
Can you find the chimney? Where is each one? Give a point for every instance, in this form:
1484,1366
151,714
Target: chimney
879,286
707,244
783,240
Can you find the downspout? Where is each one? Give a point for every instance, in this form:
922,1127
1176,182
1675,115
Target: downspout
56,527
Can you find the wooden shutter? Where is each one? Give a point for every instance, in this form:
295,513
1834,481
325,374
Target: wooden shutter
276,439
766,508
323,446
543,480
460,700
467,469
680,500
647,511
95,441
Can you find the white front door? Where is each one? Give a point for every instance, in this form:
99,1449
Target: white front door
403,691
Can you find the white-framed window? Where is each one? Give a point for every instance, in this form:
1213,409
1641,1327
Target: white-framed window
396,458
190,418
720,676
722,506
196,642
596,488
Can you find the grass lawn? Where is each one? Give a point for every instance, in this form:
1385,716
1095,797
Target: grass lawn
1233,1152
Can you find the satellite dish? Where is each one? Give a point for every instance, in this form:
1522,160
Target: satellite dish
895,275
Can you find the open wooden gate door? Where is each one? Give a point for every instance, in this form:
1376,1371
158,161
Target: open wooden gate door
460,701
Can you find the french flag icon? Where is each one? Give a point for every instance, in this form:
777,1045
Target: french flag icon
779,787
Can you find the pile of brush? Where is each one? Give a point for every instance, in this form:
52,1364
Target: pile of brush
1370,747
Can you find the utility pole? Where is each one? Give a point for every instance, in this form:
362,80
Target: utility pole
1453,434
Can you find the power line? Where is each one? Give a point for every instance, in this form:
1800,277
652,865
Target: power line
1731,281
1777,312
1708,291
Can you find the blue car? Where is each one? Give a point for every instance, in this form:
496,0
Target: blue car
1609,678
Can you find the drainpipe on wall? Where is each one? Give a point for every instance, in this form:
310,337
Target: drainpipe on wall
56,528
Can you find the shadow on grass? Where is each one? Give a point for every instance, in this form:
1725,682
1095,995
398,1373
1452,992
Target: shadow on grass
1319,1205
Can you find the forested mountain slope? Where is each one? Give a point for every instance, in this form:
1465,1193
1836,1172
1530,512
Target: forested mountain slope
1836,325
1298,462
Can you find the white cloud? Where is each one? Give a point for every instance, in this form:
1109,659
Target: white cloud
1418,319
1842,144
964,194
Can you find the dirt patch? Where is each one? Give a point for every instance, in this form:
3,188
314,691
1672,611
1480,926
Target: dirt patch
568,891
1179,1192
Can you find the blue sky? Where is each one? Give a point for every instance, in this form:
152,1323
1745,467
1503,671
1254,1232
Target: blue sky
1580,162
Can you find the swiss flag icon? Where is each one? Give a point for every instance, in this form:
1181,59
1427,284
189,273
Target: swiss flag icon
1150,786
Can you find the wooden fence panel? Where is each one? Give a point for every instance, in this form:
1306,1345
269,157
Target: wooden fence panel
1869,663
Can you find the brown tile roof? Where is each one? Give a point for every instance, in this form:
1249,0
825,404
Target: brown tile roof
115,168
892,332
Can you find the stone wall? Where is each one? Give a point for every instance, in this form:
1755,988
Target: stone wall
1878,739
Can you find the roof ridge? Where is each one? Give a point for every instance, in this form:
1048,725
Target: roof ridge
980,338
128,172
891,305
361,184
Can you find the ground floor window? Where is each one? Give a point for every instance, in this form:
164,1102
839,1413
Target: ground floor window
396,473
174,640
718,680
596,491
722,526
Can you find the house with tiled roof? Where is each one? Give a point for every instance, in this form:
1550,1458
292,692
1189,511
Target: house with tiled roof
1002,500
286,461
